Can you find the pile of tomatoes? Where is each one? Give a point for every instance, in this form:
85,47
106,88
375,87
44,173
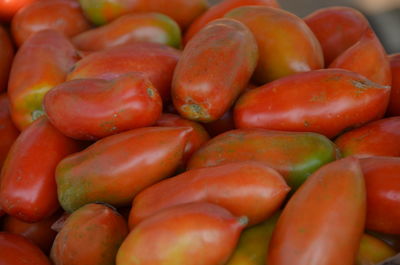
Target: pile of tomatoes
151,132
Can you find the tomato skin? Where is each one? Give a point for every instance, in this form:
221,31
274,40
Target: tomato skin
373,250
382,178
378,138
27,187
180,235
6,57
155,61
183,12
41,63
219,10
374,64
394,103
309,102
201,96
8,8
17,250
324,220
249,189
116,168
294,155
64,16
127,102
286,44
8,131
337,29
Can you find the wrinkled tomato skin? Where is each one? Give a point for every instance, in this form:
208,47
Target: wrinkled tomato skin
8,131
64,16
286,44
394,103
94,225
324,220
294,155
219,10
192,233
27,188
127,102
155,61
17,250
182,11
378,138
6,57
116,168
373,250
39,233
382,178
337,29
249,189
368,58
324,101
8,8
41,63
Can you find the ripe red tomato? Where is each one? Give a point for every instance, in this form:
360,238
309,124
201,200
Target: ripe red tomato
9,7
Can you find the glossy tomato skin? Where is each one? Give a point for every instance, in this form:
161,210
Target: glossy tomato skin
294,155
394,103
116,168
17,250
382,178
64,16
27,188
6,57
141,27
373,250
127,102
219,10
155,61
94,225
368,58
208,79
249,189
39,233
8,8
309,102
337,29
182,11
286,44
324,220
41,63
180,235
8,131
378,138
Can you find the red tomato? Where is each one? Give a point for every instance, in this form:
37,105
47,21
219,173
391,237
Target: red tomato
9,7
6,57
8,131
394,104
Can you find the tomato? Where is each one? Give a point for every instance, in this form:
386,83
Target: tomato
27,187
40,64
373,250
6,57
39,233
382,178
214,69
219,10
366,57
286,44
324,101
223,124
8,132
378,138
294,155
9,7
394,103
116,168
337,29
249,189
17,250
140,27
94,225
182,11
64,16
125,103
324,220
193,233
156,61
